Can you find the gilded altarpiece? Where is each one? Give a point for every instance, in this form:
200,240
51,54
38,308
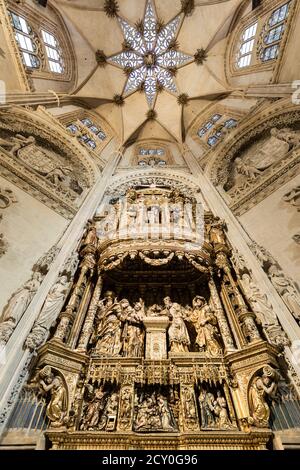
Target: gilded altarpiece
157,345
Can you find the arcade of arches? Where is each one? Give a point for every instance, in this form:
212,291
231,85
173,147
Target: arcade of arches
150,235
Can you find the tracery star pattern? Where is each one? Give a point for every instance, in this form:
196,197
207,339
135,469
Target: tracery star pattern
150,61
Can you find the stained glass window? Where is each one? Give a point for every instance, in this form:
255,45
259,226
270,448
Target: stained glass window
149,152
93,128
72,128
90,142
24,38
279,15
209,125
273,33
230,123
150,58
53,52
246,46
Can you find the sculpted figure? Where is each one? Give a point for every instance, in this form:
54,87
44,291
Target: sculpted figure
178,334
167,420
126,401
50,310
260,389
109,416
189,404
286,290
133,334
57,406
246,169
110,330
91,235
260,303
216,231
220,410
287,135
17,305
59,176
208,338
16,143
93,411
206,400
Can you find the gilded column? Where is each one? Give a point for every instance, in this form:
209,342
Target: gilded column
90,318
223,324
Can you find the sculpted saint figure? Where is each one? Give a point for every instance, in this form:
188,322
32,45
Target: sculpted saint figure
126,401
94,410
110,329
216,231
109,416
260,389
178,334
52,307
167,420
286,290
91,235
260,303
208,338
57,407
220,410
189,404
206,400
133,334
17,305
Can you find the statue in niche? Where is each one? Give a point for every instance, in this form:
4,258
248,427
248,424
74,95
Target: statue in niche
216,230
260,303
262,387
108,420
50,310
91,235
189,405
206,401
126,403
179,339
93,409
57,406
166,417
16,143
208,337
153,414
286,290
220,410
133,333
17,305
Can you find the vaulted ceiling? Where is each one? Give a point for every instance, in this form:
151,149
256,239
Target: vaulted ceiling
197,85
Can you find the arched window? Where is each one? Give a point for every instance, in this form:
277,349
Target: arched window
89,133
25,39
246,46
212,131
272,33
44,44
209,124
53,51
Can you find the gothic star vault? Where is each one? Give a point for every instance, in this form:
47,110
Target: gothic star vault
152,59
